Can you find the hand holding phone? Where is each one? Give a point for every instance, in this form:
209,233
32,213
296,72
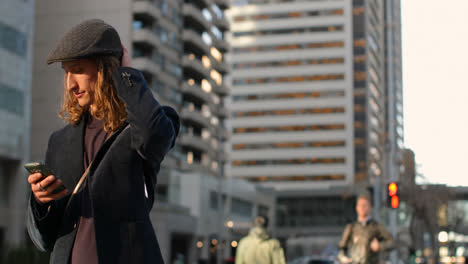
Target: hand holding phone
43,184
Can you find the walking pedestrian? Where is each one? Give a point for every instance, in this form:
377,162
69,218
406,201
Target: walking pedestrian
365,238
258,247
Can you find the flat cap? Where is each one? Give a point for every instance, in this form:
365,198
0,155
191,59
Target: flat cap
89,38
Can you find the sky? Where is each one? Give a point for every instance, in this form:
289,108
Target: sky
435,87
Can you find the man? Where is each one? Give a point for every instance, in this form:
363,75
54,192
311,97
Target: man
116,137
365,238
258,247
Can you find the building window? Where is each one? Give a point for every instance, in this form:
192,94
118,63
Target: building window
207,15
161,33
289,128
288,31
289,79
11,100
300,46
290,145
175,42
207,38
217,77
294,62
241,208
12,40
218,34
189,157
216,54
137,25
213,200
175,69
314,211
297,95
219,13
298,161
296,178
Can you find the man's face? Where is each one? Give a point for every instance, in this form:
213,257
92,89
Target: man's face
80,80
363,207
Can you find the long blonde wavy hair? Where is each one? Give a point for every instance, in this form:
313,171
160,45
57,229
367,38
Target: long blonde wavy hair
107,105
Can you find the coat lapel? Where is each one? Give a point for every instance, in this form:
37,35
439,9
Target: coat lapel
73,152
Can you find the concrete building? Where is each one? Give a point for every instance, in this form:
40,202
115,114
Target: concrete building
16,55
292,97
316,104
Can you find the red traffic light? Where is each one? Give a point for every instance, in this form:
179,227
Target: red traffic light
395,202
392,189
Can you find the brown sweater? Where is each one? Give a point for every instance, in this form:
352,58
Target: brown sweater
84,248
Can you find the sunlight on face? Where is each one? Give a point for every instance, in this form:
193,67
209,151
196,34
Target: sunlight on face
363,207
80,80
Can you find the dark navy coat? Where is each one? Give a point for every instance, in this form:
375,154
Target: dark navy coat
126,164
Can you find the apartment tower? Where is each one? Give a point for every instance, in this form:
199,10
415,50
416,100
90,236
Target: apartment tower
313,82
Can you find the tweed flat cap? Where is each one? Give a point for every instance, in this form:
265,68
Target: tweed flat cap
89,38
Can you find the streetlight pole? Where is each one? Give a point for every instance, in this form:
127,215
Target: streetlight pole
392,152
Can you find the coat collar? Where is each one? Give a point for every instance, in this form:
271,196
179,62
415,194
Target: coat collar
73,148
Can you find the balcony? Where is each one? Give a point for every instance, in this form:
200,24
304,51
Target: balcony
194,15
223,111
194,64
221,44
225,157
149,37
146,9
195,142
222,89
223,4
223,132
202,3
194,38
146,65
222,67
197,92
195,116
146,36
222,23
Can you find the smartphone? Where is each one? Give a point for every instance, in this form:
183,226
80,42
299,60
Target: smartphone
39,167
35,167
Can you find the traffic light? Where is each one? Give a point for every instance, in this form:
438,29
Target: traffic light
393,199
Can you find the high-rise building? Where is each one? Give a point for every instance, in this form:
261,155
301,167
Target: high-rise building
179,46
394,90
292,97
314,85
16,55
